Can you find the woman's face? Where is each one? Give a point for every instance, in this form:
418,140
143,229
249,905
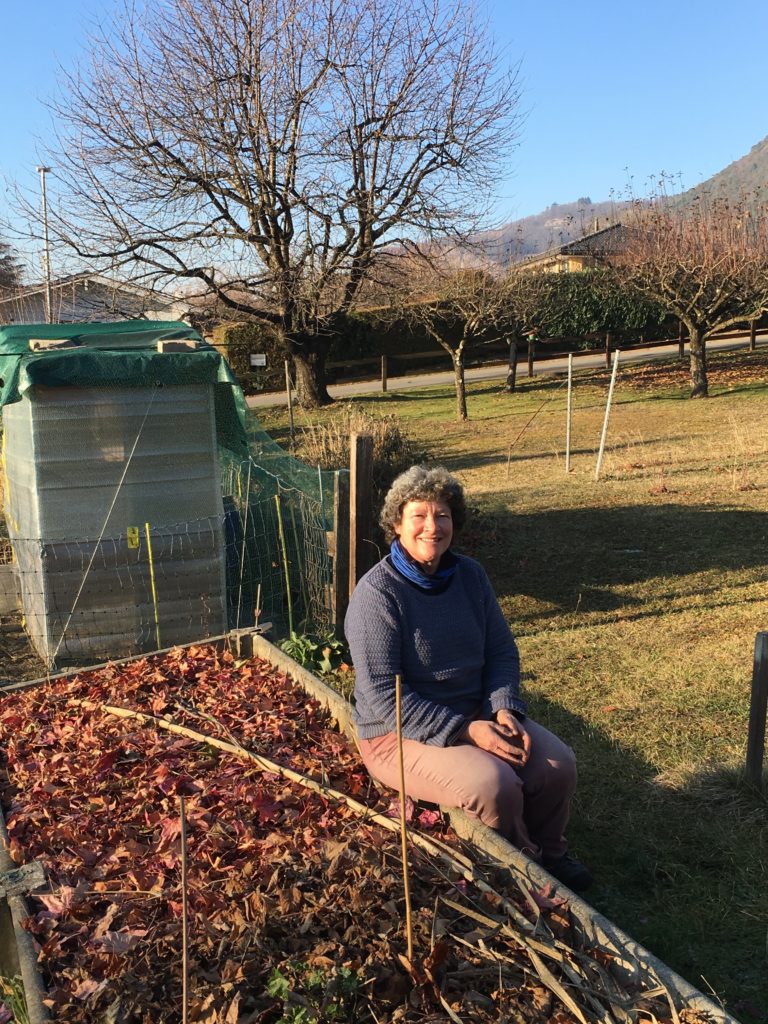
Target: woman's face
425,530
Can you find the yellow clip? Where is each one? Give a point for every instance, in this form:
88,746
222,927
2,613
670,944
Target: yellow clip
133,536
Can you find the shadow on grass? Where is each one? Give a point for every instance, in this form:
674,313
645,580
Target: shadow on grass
471,460
676,868
580,558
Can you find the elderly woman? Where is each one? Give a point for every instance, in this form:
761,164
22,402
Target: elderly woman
431,616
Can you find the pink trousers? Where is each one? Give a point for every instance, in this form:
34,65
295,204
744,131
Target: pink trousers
529,805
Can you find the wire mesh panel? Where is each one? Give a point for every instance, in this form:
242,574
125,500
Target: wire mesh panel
277,552
90,600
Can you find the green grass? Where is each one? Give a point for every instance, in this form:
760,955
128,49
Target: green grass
636,600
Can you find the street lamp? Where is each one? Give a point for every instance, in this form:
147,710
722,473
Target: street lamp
42,171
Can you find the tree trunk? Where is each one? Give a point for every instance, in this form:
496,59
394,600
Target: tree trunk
461,388
511,381
698,348
309,364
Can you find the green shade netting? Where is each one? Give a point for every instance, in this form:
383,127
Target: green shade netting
125,354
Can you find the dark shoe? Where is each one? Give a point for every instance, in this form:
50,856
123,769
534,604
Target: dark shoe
570,872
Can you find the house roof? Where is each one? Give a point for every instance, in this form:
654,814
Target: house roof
88,296
598,243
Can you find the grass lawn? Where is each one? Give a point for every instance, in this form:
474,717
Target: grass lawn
635,600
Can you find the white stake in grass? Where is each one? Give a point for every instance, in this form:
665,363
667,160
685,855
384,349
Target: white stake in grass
604,434
568,414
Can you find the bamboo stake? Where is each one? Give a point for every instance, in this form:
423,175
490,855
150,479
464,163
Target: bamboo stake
244,527
152,585
403,829
184,918
286,572
302,573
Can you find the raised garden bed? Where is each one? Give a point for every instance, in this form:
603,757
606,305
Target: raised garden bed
294,881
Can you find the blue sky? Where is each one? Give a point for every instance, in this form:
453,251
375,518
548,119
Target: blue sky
612,91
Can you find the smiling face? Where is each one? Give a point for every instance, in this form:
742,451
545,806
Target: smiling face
425,530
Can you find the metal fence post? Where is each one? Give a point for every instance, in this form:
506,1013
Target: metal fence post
511,380
757,712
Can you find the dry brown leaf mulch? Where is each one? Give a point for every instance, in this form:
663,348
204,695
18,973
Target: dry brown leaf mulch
295,901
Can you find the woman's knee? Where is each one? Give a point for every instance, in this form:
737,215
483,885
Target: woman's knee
552,765
496,795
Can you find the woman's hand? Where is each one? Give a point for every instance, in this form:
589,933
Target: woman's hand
506,738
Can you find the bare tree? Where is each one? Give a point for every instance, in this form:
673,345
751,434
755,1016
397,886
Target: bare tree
10,269
458,308
707,264
269,149
528,309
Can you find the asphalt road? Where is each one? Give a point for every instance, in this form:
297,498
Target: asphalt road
496,371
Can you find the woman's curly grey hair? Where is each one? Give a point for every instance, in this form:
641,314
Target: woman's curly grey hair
422,483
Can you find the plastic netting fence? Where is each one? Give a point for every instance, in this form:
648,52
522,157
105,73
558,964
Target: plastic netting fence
144,504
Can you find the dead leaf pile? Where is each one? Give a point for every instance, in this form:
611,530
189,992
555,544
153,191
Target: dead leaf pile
295,900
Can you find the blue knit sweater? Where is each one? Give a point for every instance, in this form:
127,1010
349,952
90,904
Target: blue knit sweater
453,650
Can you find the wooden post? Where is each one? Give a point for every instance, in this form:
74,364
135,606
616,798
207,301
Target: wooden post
338,548
607,350
531,353
290,398
362,552
384,373
757,712
681,341
752,333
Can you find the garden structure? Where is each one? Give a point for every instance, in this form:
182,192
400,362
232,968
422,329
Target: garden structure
143,505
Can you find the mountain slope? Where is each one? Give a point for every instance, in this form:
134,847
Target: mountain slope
743,178
563,222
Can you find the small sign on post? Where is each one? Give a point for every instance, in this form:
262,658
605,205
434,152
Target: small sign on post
258,359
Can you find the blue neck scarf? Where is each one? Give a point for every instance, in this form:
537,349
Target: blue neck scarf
408,568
